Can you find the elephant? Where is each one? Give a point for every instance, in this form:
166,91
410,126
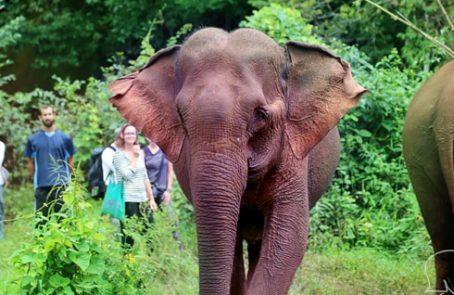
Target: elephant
428,139
251,130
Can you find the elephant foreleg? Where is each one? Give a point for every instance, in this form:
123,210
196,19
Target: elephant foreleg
283,246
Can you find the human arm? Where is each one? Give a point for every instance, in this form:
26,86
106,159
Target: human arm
71,151
28,152
167,196
70,163
151,201
123,166
107,163
31,167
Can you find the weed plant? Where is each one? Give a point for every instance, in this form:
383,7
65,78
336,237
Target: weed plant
78,252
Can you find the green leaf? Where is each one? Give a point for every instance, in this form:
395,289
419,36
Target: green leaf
27,280
27,258
97,266
68,291
364,133
81,259
57,280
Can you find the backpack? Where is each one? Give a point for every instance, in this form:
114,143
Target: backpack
96,185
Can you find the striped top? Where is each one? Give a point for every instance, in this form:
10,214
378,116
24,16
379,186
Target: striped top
133,178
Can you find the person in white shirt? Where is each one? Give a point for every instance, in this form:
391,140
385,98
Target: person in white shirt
129,165
107,160
107,163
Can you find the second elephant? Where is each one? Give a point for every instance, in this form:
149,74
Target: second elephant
428,141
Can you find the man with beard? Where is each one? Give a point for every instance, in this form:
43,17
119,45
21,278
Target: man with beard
50,153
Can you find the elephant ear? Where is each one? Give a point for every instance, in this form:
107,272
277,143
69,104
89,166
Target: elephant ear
320,91
146,98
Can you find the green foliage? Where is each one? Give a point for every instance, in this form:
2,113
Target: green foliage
73,39
360,271
67,257
18,202
282,24
184,211
183,31
371,202
87,115
374,32
9,35
77,252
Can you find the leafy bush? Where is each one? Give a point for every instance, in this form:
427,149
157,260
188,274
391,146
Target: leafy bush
373,31
282,24
371,202
78,252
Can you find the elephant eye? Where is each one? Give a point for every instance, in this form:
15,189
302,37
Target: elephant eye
261,114
261,119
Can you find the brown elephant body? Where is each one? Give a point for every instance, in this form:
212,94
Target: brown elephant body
428,140
250,128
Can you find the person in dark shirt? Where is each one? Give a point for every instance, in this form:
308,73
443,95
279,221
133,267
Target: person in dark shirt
159,171
160,175
50,158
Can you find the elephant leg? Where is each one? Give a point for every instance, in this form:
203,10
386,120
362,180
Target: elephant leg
436,207
238,283
283,247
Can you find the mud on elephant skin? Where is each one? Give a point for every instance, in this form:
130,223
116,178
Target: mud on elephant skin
428,140
250,128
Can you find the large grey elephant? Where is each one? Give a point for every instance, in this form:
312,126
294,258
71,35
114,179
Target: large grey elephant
250,128
428,141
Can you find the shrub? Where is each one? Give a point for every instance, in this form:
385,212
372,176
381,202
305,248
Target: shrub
78,252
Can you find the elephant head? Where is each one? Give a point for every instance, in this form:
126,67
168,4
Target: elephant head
232,110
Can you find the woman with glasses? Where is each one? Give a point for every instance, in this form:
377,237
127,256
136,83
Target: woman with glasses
130,169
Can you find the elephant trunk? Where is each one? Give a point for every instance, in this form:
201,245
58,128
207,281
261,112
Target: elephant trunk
217,183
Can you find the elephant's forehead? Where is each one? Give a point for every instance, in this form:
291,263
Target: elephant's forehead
241,46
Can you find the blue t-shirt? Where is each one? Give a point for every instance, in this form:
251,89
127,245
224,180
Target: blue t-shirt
50,153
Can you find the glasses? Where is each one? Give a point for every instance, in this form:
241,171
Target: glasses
130,133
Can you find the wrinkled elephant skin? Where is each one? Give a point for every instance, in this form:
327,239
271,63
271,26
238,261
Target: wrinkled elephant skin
428,139
250,128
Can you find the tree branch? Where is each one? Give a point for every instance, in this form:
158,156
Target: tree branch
407,22
446,14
